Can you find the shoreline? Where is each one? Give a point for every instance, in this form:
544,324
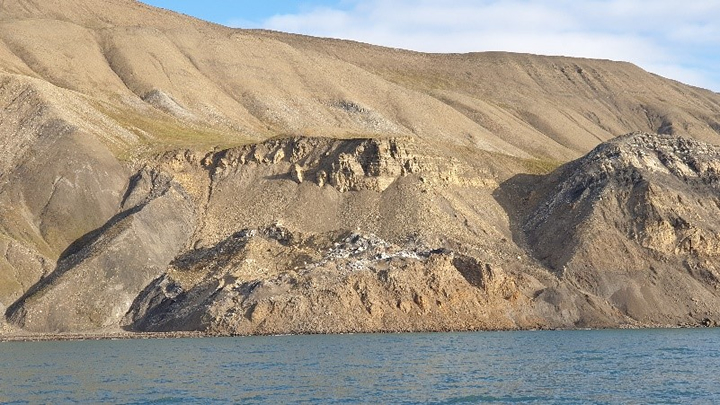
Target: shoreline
62,337
65,337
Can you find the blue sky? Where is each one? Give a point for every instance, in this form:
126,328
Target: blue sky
673,38
244,13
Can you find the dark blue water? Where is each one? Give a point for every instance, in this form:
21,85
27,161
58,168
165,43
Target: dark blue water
620,366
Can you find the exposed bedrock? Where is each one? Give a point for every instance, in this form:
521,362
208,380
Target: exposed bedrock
635,222
307,235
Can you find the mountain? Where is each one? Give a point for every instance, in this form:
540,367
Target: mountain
636,223
163,173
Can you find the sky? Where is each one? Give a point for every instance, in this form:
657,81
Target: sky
678,39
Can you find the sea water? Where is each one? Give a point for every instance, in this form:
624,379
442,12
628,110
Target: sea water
606,366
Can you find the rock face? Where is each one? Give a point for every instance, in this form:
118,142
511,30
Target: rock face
346,165
627,235
635,222
624,236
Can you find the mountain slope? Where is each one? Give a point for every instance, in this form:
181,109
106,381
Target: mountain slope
258,84
103,104
527,99
635,222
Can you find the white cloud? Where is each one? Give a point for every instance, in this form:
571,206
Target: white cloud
243,23
663,36
681,74
323,19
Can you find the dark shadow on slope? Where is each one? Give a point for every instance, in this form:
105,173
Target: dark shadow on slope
132,185
517,196
282,176
74,254
470,270
91,237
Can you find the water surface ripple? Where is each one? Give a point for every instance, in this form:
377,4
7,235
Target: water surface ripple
563,367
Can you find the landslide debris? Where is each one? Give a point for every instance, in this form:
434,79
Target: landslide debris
272,280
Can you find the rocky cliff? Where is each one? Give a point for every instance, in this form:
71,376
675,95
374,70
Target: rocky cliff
364,235
636,223
624,236
161,173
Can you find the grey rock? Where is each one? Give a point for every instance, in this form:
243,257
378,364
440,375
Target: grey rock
98,277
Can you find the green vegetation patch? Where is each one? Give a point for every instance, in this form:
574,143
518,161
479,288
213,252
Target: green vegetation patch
540,166
158,133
